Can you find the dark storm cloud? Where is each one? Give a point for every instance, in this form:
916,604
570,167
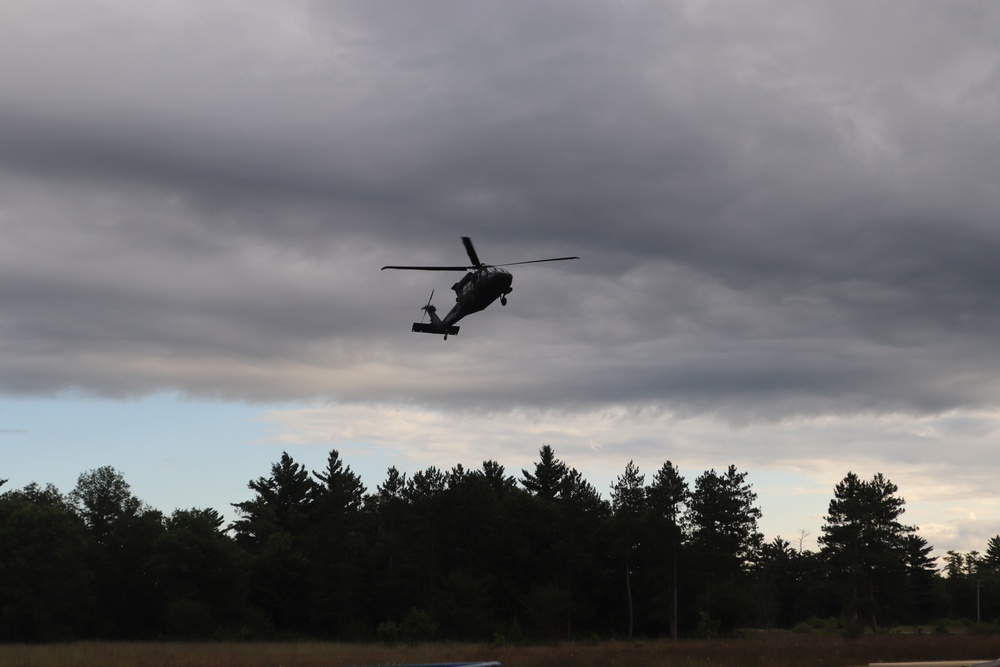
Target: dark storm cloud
780,210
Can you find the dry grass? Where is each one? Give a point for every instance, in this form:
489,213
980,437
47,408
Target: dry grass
810,650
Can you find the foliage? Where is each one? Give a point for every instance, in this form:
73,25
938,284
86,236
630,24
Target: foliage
723,520
628,502
724,544
548,477
464,554
666,499
45,588
972,584
103,499
867,547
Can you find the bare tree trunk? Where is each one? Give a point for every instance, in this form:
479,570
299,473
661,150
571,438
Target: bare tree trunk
569,610
854,604
871,605
673,610
628,588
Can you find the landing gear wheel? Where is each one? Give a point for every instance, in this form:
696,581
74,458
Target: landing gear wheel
503,301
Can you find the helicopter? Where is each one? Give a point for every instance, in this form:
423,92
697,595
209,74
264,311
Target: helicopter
481,286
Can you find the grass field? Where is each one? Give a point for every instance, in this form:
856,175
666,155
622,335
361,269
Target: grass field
786,650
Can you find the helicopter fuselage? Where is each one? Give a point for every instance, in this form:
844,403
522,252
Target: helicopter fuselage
477,290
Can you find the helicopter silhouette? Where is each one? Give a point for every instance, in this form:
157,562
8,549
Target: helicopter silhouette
481,286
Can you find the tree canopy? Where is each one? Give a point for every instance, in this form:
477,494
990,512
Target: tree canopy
462,553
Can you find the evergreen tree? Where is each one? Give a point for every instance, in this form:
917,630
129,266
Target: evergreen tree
282,503
991,559
954,564
340,491
389,548
725,543
389,504
272,526
972,584
463,554
425,536
548,477
723,518
473,565
921,575
628,502
426,485
666,498
864,543
495,474
773,568
335,546
580,542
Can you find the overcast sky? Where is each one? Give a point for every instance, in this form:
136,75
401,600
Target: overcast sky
786,214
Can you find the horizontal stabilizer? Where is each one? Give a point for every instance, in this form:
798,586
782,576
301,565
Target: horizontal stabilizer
420,327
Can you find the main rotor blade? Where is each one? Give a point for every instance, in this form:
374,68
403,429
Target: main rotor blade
430,268
536,261
472,252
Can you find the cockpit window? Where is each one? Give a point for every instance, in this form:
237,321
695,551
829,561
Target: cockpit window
463,285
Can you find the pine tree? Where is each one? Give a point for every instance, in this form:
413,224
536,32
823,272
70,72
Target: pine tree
667,497
723,518
548,477
335,548
340,490
991,559
273,526
282,503
725,544
864,542
628,502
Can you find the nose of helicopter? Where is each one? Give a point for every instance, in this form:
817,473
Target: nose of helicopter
500,281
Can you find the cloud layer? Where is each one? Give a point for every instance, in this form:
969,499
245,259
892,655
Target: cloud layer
785,211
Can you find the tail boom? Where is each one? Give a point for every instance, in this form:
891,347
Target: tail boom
436,325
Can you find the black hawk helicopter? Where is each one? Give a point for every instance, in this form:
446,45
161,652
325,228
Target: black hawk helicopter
481,286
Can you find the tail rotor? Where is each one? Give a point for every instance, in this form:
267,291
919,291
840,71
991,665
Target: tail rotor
428,308
435,326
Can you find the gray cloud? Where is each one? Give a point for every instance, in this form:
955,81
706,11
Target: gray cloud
776,216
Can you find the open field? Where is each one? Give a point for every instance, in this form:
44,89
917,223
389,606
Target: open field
789,650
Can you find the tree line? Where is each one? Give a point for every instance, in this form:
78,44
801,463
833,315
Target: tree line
468,555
